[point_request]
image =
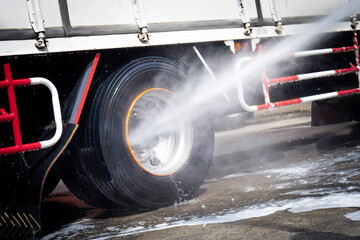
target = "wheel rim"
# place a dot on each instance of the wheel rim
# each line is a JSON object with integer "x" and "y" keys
{"x": 160, "y": 151}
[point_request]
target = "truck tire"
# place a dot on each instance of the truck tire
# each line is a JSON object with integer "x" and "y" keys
{"x": 232, "y": 121}
{"x": 111, "y": 168}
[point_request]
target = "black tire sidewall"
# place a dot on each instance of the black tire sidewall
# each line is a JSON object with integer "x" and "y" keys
{"x": 128, "y": 177}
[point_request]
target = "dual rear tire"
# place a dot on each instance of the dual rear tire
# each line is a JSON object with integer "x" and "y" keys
{"x": 132, "y": 148}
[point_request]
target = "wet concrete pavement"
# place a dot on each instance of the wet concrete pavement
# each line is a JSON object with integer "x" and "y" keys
{"x": 277, "y": 178}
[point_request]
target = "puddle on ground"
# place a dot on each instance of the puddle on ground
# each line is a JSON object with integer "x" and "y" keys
{"x": 337, "y": 173}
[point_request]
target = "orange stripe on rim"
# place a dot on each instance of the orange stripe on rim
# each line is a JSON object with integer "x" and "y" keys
{"x": 127, "y": 127}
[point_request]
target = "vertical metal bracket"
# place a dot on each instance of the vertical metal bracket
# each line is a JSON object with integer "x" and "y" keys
{"x": 353, "y": 19}
{"x": 37, "y": 22}
{"x": 140, "y": 20}
{"x": 208, "y": 69}
{"x": 275, "y": 13}
{"x": 354, "y": 22}
{"x": 242, "y": 6}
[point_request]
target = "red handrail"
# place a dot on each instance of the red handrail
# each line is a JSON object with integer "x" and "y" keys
{"x": 266, "y": 82}
{"x": 13, "y": 116}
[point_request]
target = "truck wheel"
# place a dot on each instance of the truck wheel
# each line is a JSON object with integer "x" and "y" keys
{"x": 116, "y": 163}
{"x": 233, "y": 121}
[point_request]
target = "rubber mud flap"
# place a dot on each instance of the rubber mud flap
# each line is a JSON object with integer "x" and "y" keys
{"x": 330, "y": 112}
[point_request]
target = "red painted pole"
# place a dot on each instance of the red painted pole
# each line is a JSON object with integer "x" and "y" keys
{"x": 265, "y": 79}
{"x": 13, "y": 107}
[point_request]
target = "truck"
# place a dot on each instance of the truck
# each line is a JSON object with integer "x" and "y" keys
{"x": 118, "y": 98}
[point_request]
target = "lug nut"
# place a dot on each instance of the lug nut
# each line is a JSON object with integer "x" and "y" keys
{"x": 154, "y": 162}
{"x": 141, "y": 154}
{"x": 134, "y": 114}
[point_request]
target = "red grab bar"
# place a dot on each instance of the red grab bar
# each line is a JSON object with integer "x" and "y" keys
{"x": 269, "y": 82}
{"x": 13, "y": 116}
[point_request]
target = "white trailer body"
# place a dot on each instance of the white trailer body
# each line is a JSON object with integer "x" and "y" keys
{"x": 75, "y": 25}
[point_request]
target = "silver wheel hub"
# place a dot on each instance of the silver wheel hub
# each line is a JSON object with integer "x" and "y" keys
{"x": 158, "y": 149}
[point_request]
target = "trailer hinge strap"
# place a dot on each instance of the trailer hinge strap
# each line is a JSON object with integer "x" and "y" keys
{"x": 242, "y": 6}
{"x": 140, "y": 20}
{"x": 37, "y": 22}
{"x": 275, "y": 13}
